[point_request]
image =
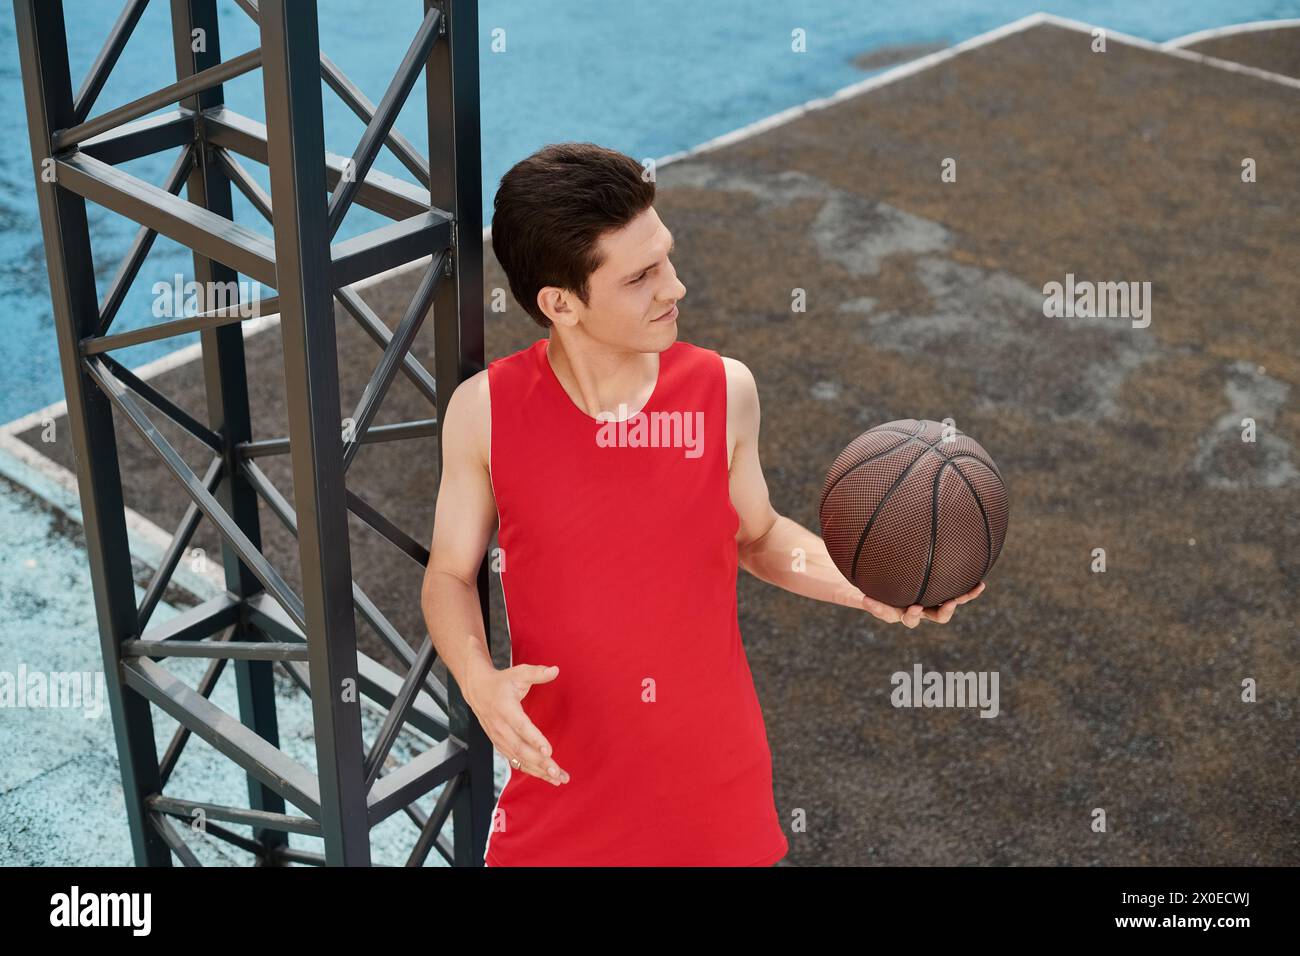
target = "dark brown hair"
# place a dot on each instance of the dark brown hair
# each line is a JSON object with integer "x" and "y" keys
{"x": 551, "y": 209}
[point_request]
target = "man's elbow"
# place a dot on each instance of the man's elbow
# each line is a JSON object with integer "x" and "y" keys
{"x": 439, "y": 577}
{"x": 757, "y": 541}
{"x": 433, "y": 580}
{"x": 426, "y": 588}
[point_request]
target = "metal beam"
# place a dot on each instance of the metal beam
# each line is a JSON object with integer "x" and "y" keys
{"x": 415, "y": 778}
{"x": 215, "y": 811}
{"x": 164, "y": 404}
{"x": 265, "y": 571}
{"x": 214, "y": 236}
{"x": 206, "y": 321}
{"x": 180, "y": 539}
{"x": 295, "y": 145}
{"x": 174, "y": 93}
{"x": 356, "y": 101}
{"x": 140, "y": 247}
{"x": 226, "y": 394}
{"x": 244, "y": 180}
{"x": 204, "y": 688}
{"x": 398, "y": 346}
{"x": 225, "y": 733}
{"x": 260, "y": 620}
{"x": 377, "y": 682}
{"x": 385, "y": 194}
{"x": 396, "y": 536}
{"x": 230, "y": 650}
{"x": 398, "y": 712}
{"x": 452, "y": 94}
{"x": 47, "y": 88}
{"x": 431, "y": 828}
{"x": 394, "y": 431}
{"x": 174, "y": 840}
{"x": 367, "y": 609}
{"x": 107, "y": 58}
{"x": 153, "y": 134}
{"x": 196, "y": 623}
{"x": 363, "y": 157}
{"x": 380, "y": 334}
{"x": 392, "y": 244}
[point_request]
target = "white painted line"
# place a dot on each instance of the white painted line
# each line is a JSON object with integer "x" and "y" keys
{"x": 61, "y": 478}
{"x": 1215, "y": 32}
{"x": 934, "y": 59}
{"x": 1171, "y": 47}
{"x": 167, "y": 362}
{"x": 50, "y": 481}
{"x": 57, "y": 485}
{"x": 857, "y": 89}
{"x": 1189, "y": 55}
{"x": 47, "y": 479}
{"x": 193, "y": 352}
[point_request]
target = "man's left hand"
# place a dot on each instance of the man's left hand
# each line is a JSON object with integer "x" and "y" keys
{"x": 912, "y": 616}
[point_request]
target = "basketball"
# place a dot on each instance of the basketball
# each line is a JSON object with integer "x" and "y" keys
{"x": 914, "y": 512}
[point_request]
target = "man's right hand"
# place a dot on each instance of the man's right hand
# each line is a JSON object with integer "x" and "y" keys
{"x": 494, "y": 696}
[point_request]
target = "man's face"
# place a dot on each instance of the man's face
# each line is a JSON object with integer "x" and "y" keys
{"x": 635, "y": 284}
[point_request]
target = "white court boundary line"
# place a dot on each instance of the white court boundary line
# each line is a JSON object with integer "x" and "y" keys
{"x": 44, "y": 477}
{"x": 51, "y": 472}
{"x": 191, "y": 352}
{"x": 903, "y": 70}
{"x": 890, "y": 75}
{"x": 923, "y": 63}
{"x": 1213, "y": 33}
{"x": 1181, "y": 54}
{"x": 51, "y": 482}
{"x": 23, "y": 458}
{"x": 48, "y": 480}
{"x": 19, "y": 458}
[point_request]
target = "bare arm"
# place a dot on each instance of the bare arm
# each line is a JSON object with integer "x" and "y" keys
{"x": 781, "y": 551}
{"x": 464, "y": 517}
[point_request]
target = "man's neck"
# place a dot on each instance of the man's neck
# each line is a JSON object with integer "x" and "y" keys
{"x": 599, "y": 378}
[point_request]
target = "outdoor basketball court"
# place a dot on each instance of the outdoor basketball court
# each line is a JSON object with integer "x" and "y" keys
{"x": 925, "y": 300}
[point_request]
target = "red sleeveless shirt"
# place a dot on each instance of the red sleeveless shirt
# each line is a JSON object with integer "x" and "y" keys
{"x": 618, "y": 565}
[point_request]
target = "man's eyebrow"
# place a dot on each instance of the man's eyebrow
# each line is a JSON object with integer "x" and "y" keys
{"x": 672, "y": 244}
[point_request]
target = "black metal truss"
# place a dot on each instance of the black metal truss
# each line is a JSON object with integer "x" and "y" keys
{"x": 260, "y": 620}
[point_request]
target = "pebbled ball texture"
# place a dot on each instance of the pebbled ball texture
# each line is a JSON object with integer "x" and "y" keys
{"x": 912, "y": 518}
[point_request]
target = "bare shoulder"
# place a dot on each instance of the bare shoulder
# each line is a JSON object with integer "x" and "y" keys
{"x": 467, "y": 428}
{"x": 742, "y": 390}
{"x": 742, "y": 405}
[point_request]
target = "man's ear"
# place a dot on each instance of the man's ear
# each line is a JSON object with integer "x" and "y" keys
{"x": 555, "y": 305}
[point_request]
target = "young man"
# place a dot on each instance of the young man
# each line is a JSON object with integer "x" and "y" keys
{"x": 622, "y": 464}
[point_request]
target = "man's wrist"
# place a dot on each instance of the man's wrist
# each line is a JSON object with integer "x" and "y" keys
{"x": 476, "y": 665}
